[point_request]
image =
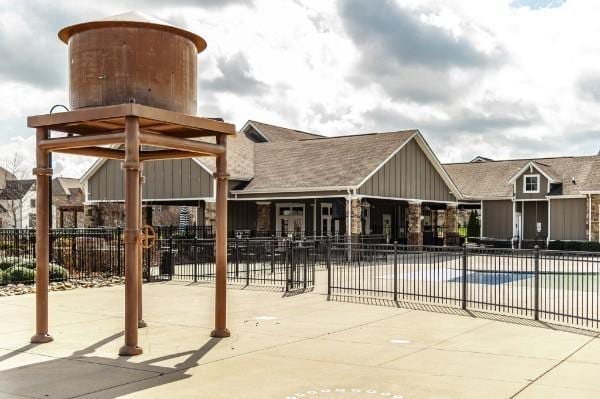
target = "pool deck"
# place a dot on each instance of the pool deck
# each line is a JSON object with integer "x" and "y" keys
{"x": 288, "y": 347}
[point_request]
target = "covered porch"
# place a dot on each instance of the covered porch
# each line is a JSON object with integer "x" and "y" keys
{"x": 382, "y": 219}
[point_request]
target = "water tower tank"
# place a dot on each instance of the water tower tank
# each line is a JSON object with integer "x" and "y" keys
{"x": 132, "y": 57}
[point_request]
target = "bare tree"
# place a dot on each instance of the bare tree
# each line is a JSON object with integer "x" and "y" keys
{"x": 12, "y": 196}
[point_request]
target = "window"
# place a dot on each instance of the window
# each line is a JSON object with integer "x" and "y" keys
{"x": 32, "y": 203}
{"x": 531, "y": 184}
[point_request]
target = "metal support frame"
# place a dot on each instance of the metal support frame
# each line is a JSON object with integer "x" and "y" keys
{"x": 221, "y": 176}
{"x": 90, "y": 129}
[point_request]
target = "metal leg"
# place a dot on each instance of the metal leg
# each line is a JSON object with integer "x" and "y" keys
{"x": 42, "y": 172}
{"x": 131, "y": 166}
{"x": 221, "y": 175}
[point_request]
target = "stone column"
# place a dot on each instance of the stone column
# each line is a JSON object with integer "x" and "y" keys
{"x": 595, "y": 208}
{"x": 90, "y": 216}
{"x": 415, "y": 231}
{"x": 210, "y": 215}
{"x": 263, "y": 217}
{"x": 451, "y": 225}
{"x": 355, "y": 217}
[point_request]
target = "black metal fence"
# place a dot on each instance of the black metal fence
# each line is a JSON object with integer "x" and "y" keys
{"x": 561, "y": 287}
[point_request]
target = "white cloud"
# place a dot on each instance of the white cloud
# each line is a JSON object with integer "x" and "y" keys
{"x": 532, "y": 89}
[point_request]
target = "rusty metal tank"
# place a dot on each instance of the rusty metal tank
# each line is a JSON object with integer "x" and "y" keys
{"x": 132, "y": 57}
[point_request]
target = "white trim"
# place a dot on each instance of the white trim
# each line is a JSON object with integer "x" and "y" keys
{"x": 590, "y": 192}
{"x": 407, "y": 199}
{"x": 538, "y": 184}
{"x": 589, "y": 205}
{"x": 278, "y": 206}
{"x": 292, "y": 190}
{"x": 249, "y": 123}
{"x": 531, "y": 199}
{"x": 549, "y": 224}
{"x": 531, "y": 164}
{"x": 477, "y": 199}
{"x": 569, "y": 196}
{"x": 285, "y": 198}
{"x": 207, "y": 199}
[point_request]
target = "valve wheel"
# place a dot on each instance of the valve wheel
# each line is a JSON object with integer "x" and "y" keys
{"x": 147, "y": 237}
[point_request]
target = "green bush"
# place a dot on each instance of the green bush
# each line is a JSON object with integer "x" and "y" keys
{"x": 7, "y": 262}
{"x": 57, "y": 272}
{"x": 3, "y": 277}
{"x": 587, "y": 246}
{"x": 28, "y": 263}
{"x": 19, "y": 274}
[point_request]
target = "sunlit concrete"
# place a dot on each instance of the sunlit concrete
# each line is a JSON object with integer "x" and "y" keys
{"x": 282, "y": 346}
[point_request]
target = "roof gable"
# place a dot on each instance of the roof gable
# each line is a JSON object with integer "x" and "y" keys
{"x": 540, "y": 167}
{"x": 277, "y": 134}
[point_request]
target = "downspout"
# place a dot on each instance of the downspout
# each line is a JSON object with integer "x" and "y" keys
{"x": 549, "y": 225}
{"x": 349, "y": 224}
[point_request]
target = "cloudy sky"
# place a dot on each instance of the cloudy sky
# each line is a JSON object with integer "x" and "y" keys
{"x": 498, "y": 78}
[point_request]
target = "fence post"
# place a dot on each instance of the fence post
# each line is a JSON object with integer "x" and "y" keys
{"x": 536, "y": 300}
{"x": 464, "y": 276}
{"x": 395, "y": 271}
{"x": 273, "y": 254}
{"x": 248, "y": 263}
{"x": 195, "y": 251}
{"x": 171, "y": 260}
{"x": 236, "y": 254}
{"x": 119, "y": 264}
{"x": 328, "y": 264}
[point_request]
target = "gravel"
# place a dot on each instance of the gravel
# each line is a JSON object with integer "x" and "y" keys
{"x": 22, "y": 289}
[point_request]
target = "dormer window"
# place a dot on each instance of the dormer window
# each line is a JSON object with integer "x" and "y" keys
{"x": 531, "y": 183}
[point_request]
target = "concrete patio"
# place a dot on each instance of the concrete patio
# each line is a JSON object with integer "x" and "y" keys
{"x": 300, "y": 346}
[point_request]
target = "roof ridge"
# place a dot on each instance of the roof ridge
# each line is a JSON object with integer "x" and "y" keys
{"x": 411, "y": 131}
{"x": 525, "y": 159}
{"x": 286, "y": 128}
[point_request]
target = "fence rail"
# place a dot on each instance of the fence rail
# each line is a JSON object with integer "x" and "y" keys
{"x": 561, "y": 287}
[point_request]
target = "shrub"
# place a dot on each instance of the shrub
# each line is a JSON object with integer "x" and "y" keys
{"x": 28, "y": 263}
{"x": 57, "y": 272}
{"x": 3, "y": 277}
{"x": 556, "y": 245}
{"x": 7, "y": 262}
{"x": 588, "y": 246}
{"x": 473, "y": 227}
{"x": 19, "y": 274}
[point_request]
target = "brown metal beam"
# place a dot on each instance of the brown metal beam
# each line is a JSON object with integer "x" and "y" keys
{"x": 199, "y": 147}
{"x": 221, "y": 176}
{"x": 166, "y": 154}
{"x": 131, "y": 168}
{"x": 62, "y": 143}
{"x": 42, "y": 232}
{"x": 109, "y": 153}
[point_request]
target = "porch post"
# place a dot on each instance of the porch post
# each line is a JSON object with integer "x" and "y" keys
{"x": 594, "y": 217}
{"x": 141, "y": 322}
{"x": 451, "y": 230}
{"x": 221, "y": 175}
{"x": 415, "y": 231}
{"x": 42, "y": 232}
{"x": 131, "y": 166}
{"x": 263, "y": 217}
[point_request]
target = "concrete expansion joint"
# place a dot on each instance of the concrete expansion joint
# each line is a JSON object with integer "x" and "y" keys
{"x": 43, "y": 171}
{"x": 131, "y": 165}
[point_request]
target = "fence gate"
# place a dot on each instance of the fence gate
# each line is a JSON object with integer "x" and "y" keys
{"x": 300, "y": 265}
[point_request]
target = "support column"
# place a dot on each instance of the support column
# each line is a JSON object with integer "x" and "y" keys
{"x": 415, "y": 230}
{"x": 210, "y": 215}
{"x": 141, "y": 323}
{"x": 263, "y": 217}
{"x": 221, "y": 176}
{"x": 356, "y": 222}
{"x": 595, "y": 217}
{"x": 42, "y": 232}
{"x": 131, "y": 166}
{"x": 451, "y": 228}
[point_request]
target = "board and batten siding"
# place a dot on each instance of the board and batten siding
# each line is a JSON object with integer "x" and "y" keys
{"x": 165, "y": 180}
{"x": 568, "y": 219}
{"x": 497, "y": 219}
{"x": 408, "y": 174}
{"x": 519, "y": 194}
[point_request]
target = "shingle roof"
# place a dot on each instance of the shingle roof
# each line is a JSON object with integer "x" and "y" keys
{"x": 491, "y": 179}
{"x": 65, "y": 185}
{"x": 240, "y": 157}
{"x": 277, "y": 134}
{"x": 16, "y": 189}
{"x": 340, "y": 161}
